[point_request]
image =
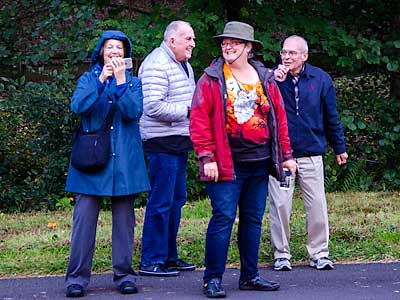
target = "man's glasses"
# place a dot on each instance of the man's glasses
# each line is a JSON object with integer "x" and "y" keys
{"x": 290, "y": 53}
{"x": 232, "y": 43}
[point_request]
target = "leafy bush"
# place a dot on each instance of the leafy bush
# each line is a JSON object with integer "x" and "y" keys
{"x": 35, "y": 133}
{"x": 371, "y": 122}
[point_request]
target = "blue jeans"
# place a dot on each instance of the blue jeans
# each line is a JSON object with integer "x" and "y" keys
{"x": 249, "y": 192}
{"x": 167, "y": 174}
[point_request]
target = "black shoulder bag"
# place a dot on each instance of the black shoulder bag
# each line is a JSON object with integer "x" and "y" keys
{"x": 91, "y": 150}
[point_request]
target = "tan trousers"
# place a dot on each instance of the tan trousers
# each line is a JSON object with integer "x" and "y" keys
{"x": 310, "y": 176}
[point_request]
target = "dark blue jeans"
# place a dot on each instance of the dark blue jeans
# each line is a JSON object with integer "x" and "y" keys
{"x": 249, "y": 193}
{"x": 167, "y": 174}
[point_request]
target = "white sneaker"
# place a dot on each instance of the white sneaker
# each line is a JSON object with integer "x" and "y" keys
{"x": 322, "y": 263}
{"x": 282, "y": 264}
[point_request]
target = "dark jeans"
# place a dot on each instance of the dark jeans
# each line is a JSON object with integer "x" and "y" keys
{"x": 249, "y": 192}
{"x": 163, "y": 210}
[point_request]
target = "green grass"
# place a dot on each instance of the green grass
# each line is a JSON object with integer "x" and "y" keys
{"x": 363, "y": 227}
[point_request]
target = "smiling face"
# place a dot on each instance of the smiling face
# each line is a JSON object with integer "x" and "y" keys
{"x": 235, "y": 50}
{"x": 294, "y": 53}
{"x": 183, "y": 43}
{"x": 112, "y": 48}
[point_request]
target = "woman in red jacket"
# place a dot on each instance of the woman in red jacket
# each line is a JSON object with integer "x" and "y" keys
{"x": 239, "y": 132}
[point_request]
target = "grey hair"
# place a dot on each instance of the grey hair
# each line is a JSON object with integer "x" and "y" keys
{"x": 173, "y": 28}
{"x": 303, "y": 42}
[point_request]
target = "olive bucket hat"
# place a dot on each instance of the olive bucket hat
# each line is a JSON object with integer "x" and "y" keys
{"x": 239, "y": 30}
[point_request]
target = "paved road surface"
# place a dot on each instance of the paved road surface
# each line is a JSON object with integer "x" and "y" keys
{"x": 376, "y": 281}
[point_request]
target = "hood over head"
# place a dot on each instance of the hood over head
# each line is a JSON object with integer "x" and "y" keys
{"x": 110, "y": 35}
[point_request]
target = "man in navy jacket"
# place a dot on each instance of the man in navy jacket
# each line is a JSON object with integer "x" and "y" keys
{"x": 310, "y": 104}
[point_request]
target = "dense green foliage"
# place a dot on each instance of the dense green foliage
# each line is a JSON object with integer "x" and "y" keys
{"x": 46, "y": 44}
{"x": 35, "y": 133}
{"x": 370, "y": 118}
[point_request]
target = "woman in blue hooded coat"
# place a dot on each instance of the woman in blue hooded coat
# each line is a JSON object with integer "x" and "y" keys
{"x": 108, "y": 84}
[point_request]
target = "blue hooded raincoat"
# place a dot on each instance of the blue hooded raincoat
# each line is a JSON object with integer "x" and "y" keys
{"x": 125, "y": 172}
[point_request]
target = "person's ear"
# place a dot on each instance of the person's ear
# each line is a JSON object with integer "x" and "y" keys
{"x": 172, "y": 42}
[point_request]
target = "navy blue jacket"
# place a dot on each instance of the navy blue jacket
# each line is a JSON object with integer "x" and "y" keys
{"x": 315, "y": 120}
{"x": 125, "y": 172}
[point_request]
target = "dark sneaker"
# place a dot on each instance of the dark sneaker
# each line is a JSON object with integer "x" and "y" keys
{"x": 74, "y": 291}
{"x": 258, "y": 284}
{"x": 180, "y": 265}
{"x": 322, "y": 263}
{"x": 128, "y": 287}
{"x": 158, "y": 270}
{"x": 282, "y": 264}
{"x": 214, "y": 289}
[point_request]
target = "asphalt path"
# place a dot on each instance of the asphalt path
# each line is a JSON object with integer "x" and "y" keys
{"x": 375, "y": 281}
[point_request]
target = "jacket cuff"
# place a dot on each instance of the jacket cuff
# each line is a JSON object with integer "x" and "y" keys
{"x": 121, "y": 89}
{"x": 207, "y": 158}
{"x": 339, "y": 149}
{"x": 286, "y": 156}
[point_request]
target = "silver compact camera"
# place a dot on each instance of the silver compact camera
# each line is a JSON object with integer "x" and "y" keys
{"x": 128, "y": 63}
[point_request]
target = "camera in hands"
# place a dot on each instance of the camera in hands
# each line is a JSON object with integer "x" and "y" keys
{"x": 128, "y": 63}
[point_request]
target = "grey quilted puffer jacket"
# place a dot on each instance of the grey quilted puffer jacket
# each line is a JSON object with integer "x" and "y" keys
{"x": 167, "y": 92}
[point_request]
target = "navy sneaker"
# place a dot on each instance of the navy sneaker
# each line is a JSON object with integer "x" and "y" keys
{"x": 74, "y": 291}
{"x": 213, "y": 288}
{"x": 128, "y": 287}
{"x": 158, "y": 270}
{"x": 180, "y": 265}
{"x": 258, "y": 284}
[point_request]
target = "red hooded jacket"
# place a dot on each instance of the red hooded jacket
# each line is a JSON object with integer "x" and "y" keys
{"x": 208, "y": 121}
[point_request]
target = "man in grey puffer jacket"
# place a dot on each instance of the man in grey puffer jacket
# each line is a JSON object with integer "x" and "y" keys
{"x": 168, "y": 86}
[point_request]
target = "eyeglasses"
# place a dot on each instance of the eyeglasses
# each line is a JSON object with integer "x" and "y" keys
{"x": 232, "y": 43}
{"x": 290, "y": 53}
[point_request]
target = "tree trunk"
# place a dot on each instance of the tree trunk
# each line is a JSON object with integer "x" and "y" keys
{"x": 395, "y": 85}
{"x": 233, "y": 9}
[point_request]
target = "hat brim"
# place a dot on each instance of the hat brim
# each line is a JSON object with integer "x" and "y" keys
{"x": 257, "y": 45}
